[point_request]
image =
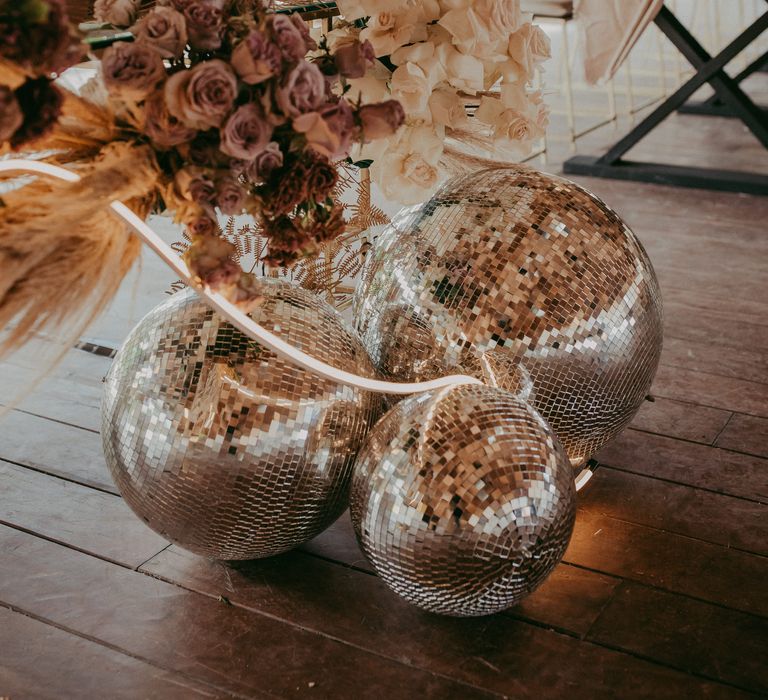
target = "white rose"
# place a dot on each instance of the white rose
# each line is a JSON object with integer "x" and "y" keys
{"x": 528, "y": 48}
{"x": 372, "y": 87}
{"x": 448, "y": 108}
{"x": 514, "y": 130}
{"x": 463, "y": 72}
{"x": 388, "y": 31}
{"x": 407, "y": 172}
{"x": 425, "y": 57}
{"x": 411, "y": 88}
{"x": 482, "y": 28}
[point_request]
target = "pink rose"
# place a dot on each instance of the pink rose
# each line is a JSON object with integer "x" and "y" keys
{"x": 161, "y": 126}
{"x": 120, "y": 13}
{"x": 11, "y": 117}
{"x": 264, "y": 164}
{"x": 202, "y": 96}
{"x": 291, "y": 36}
{"x": 354, "y": 58}
{"x": 132, "y": 71}
{"x": 230, "y": 196}
{"x": 246, "y": 133}
{"x": 329, "y": 130}
{"x": 381, "y": 119}
{"x": 256, "y": 59}
{"x": 165, "y": 29}
{"x": 302, "y": 90}
{"x": 205, "y": 23}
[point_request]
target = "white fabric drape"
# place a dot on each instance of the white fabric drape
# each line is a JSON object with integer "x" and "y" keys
{"x": 610, "y": 29}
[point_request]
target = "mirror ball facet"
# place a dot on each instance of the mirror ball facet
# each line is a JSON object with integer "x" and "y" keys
{"x": 222, "y": 447}
{"x": 510, "y": 267}
{"x": 463, "y": 500}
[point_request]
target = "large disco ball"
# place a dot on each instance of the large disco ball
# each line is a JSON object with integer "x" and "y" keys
{"x": 220, "y": 446}
{"x": 463, "y": 500}
{"x": 510, "y": 267}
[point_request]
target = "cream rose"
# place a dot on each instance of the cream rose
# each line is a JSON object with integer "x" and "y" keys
{"x": 465, "y": 73}
{"x": 528, "y": 48}
{"x": 388, "y": 31}
{"x": 411, "y": 88}
{"x": 447, "y": 108}
{"x": 407, "y": 172}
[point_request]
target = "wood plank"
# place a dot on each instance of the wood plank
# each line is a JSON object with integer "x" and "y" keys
{"x": 55, "y": 448}
{"x": 745, "y": 434}
{"x": 75, "y": 515}
{"x": 681, "y": 420}
{"x": 711, "y": 517}
{"x": 712, "y": 390}
{"x": 739, "y": 363}
{"x": 40, "y": 662}
{"x": 700, "y": 638}
{"x": 673, "y": 562}
{"x": 701, "y": 466}
{"x": 209, "y": 641}
{"x": 495, "y": 652}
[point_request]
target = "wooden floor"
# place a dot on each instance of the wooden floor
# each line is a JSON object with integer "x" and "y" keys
{"x": 663, "y": 591}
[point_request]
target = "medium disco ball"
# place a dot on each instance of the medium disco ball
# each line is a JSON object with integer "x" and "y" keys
{"x": 512, "y": 267}
{"x": 220, "y": 446}
{"x": 463, "y": 500}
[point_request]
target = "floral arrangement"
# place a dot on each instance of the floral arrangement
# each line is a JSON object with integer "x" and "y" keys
{"x": 441, "y": 59}
{"x": 217, "y": 106}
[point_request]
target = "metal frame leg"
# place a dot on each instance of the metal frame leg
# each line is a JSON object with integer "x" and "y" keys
{"x": 708, "y": 70}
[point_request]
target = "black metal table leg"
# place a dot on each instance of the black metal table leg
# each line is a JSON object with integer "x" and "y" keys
{"x": 714, "y": 106}
{"x": 708, "y": 70}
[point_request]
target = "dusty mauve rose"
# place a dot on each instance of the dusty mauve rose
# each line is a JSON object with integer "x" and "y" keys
{"x": 354, "y": 58}
{"x": 256, "y": 59}
{"x": 210, "y": 259}
{"x": 302, "y": 90}
{"x": 328, "y": 131}
{"x": 121, "y": 13}
{"x": 35, "y": 34}
{"x": 202, "y": 96}
{"x": 202, "y": 225}
{"x": 132, "y": 71}
{"x": 11, "y": 117}
{"x": 205, "y": 23}
{"x": 246, "y": 133}
{"x": 230, "y": 196}
{"x": 161, "y": 126}
{"x": 165, "y": 29}
{"x": 264, "y": 164}
{"x": 291, "y": 37}
{"x": 195, "y": 185}
{"x": 381, "y": 119}
{"x": 40, "y": 101}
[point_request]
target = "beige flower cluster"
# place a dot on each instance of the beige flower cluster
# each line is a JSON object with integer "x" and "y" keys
{"x": 437, "y": 56}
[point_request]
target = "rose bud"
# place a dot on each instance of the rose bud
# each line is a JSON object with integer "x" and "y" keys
{"x": 132, "y": 71}
{"x": 381, "y": 119}
{"x": 354, "y": 58}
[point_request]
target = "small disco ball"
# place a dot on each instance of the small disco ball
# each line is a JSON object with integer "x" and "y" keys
{"x": 220, "y": 446}
{"x": 463, "y": 500}
{"x": 510, "y": 267}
